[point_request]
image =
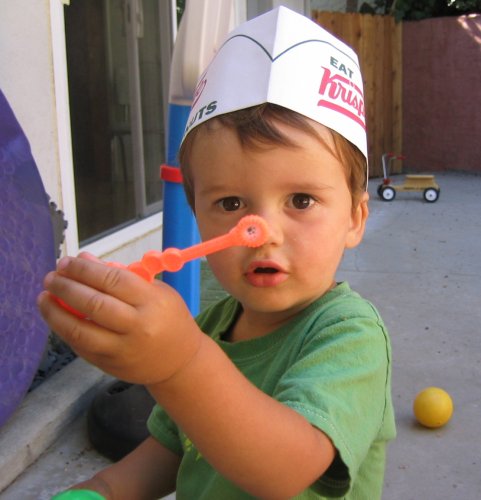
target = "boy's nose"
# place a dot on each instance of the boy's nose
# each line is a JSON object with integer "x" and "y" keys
{"x": 276, "y": 232}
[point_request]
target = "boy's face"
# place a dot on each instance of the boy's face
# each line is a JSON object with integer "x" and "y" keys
{"x": 303, "y": 195}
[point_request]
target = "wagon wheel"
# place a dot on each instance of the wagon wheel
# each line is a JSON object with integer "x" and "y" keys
{"x": 431, "y": 195}
{"x": 388, "y": 193}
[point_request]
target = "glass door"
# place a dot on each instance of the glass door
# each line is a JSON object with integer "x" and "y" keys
{"x": 118, "y": 56}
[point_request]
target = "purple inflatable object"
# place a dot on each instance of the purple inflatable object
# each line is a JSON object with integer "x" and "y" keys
{"x": 27, "y": 253}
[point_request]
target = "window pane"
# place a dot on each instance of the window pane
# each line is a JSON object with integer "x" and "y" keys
{"x": 114, "y": 63}
{"x": 151, "y": 98}
{"x": 99, "y": 107}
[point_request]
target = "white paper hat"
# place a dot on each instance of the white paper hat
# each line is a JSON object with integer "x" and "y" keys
{"x": 284, "y": 58}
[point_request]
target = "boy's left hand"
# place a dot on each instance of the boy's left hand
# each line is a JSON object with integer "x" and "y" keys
{"x": 137, "y": 331}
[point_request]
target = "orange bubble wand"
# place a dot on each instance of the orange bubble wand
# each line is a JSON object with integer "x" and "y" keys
{"x": 251, "y": 231}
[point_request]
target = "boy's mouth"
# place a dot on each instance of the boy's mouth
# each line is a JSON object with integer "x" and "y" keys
{"x": 265, "y": 270}
{"x": 264, "y": 267}
{"x": 265, "y": 274}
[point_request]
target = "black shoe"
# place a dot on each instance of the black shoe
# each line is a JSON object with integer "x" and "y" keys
{"x": 117, "y": 417}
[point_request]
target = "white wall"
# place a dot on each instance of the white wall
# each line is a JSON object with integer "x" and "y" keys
{"x": 26, "y": 79}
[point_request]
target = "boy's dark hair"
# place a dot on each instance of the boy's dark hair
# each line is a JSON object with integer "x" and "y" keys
{"x": 256, "y": 127}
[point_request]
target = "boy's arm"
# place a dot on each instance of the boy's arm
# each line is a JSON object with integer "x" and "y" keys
{"x": 145, "y": 334}
{"x": 263, "y": 446}
{"x": 147, "y": 472}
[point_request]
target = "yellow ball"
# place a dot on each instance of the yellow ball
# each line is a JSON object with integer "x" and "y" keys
{"x": 433, "y": 407}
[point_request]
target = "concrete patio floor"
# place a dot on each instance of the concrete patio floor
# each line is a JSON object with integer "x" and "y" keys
{"x": 420, "y": 264}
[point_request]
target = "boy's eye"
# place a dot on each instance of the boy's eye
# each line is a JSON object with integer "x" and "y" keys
{"x": 230, "y": 204}
{"x": 301, "y": 201}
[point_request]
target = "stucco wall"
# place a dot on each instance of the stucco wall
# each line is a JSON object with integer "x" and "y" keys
{"x": 442, "y": 94}
{"x": 26, "y": 79}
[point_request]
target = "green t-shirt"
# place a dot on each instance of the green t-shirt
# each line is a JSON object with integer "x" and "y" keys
{"x": 332, "y": 364}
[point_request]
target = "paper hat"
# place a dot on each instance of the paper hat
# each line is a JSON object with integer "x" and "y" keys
{"x": 284, "y": 58}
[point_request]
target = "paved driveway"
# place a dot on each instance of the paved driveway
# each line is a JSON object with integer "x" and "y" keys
{"x": 420, "y": 264}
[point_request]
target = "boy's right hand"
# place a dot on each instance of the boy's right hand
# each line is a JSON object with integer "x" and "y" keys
{"x": 136, "y": 331}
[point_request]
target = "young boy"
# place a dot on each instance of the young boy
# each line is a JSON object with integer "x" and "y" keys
{"x": 282, "y": 389}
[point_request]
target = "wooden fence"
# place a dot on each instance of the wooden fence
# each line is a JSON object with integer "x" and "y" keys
{"x": 377, "y": 41}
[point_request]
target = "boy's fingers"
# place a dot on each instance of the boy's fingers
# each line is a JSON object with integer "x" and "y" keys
{"x": 119, "y": 283}
{"x": 102, "y": 308}
{"x": 89, "y": 256}
{"x": 85, "y": 337}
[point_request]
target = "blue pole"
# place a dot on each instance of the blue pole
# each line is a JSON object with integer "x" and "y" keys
{"x": 179, "y": 226}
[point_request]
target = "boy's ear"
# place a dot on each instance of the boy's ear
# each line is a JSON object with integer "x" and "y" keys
{"x": 358, "y": 222}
